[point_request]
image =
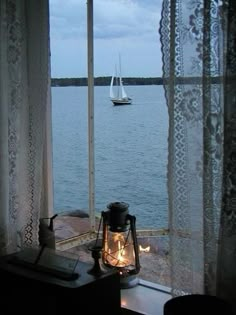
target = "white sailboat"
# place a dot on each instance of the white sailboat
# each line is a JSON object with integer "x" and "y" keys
{"x": 118, "y": 94}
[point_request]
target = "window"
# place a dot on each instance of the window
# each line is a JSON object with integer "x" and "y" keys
{"x": 130, "y": 142}
{"x": 200, "y": 93}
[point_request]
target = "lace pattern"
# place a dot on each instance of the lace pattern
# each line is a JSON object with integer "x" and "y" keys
{"x": 192, "y": 38}
{"x": 27, "y": 74}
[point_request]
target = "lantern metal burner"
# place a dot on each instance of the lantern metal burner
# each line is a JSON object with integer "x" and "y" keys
{"x": 119, "y": 243}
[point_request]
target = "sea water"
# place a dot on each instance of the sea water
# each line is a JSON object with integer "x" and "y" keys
{"x": 130, "y": 151}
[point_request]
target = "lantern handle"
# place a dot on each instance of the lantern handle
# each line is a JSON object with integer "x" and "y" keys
{"x": 134, "y": 235}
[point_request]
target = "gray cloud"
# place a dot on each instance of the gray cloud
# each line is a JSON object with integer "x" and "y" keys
{"x": 112, "y": 18}
{"x": 127, "y": 26}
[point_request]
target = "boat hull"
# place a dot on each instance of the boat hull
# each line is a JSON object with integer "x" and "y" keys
{"x": 121, "y": 102}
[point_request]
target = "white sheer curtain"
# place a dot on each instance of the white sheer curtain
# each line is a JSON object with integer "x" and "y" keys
{"x": 199, "y": 68}
{"x": 25, "y": 180}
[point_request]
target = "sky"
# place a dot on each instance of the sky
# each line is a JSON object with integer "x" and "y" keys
{"x": 129, "y": 28}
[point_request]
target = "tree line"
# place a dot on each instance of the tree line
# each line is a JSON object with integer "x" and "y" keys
{"x": 103, "y": 81}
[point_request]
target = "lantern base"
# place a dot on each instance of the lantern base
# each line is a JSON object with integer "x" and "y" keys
{"x": 128, "y": 282}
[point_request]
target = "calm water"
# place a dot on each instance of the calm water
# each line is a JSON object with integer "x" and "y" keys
{"x": 130, "y": 152}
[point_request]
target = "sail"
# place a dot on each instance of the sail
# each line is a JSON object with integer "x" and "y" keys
{"x": 123, "y": 93}
{"x": 111, "y": 88}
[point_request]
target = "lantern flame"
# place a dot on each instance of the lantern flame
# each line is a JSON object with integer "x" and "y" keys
{"x": 118, "y": 254}
{"x": 145, "y": 250}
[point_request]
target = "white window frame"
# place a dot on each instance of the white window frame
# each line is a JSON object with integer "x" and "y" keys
{"x": 90, "y": 60}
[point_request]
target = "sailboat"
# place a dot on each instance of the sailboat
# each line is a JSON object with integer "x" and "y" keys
{"x": 118, "y": 94}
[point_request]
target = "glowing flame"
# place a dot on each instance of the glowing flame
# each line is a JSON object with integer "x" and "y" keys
{"x": 121, "y": 253}
{"x": 118, "y": 257}
{"x": 145, "y": 250}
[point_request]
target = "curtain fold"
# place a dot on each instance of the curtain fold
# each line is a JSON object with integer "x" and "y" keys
{"x": 226, "y": 271}
{"x": 25, "y": 106}
{"x": 198, "y": 52}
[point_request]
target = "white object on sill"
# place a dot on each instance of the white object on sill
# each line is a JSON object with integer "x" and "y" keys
{"x": 146, "y": 298}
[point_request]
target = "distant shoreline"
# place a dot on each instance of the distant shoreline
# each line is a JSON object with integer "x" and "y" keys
{"x": 104, "y": 81}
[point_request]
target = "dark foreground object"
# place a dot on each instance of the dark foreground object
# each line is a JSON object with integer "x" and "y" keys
{"x": 56, "y": 289}
{"x": 197, "y": 304}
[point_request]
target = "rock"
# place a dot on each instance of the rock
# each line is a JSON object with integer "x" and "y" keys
{"x": 75, "y": 213}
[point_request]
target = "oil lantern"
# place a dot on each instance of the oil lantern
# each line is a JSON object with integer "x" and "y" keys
{"x": 119, "y": 243}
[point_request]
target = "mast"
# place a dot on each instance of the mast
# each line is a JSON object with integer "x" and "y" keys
{"x": 117, "y": 83}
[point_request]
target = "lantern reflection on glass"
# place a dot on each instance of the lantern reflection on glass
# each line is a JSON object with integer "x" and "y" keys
{"x": 119, "y": 243}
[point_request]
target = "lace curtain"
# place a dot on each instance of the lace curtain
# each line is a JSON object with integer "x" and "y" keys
{"x": 24, "y": 121}
{"x": 199, "y": 67}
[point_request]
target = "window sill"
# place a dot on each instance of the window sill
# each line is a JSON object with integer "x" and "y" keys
{"x": 146, "y": 298}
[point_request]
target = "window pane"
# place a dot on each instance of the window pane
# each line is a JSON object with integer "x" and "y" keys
{"x": 70, "y": 148}
{"x": 130, "y": 152}
{"x": 130, "y": 140}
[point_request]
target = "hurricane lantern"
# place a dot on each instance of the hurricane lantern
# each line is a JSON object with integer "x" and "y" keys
{"x": 119, "y": 243}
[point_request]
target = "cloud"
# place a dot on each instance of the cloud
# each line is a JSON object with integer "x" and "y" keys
{"x": 67, "y": 19}
{"x": 124, "y": 18}
{"x": 130, "y": 26}
{"x": 112, "y": 18}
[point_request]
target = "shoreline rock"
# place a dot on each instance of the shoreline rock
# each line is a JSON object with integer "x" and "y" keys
{"x": 74, "y": 213}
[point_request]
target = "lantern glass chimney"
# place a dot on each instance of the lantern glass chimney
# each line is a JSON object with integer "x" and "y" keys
{"x": 119, "y": 243}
